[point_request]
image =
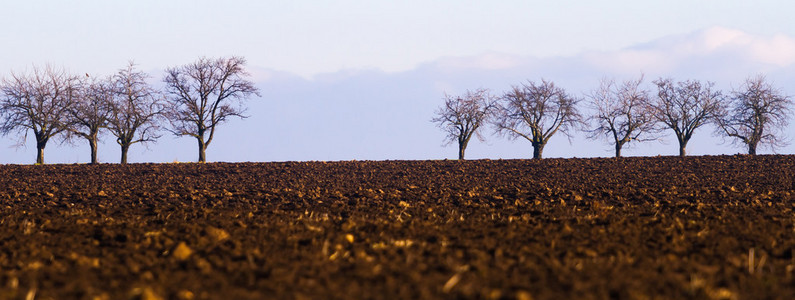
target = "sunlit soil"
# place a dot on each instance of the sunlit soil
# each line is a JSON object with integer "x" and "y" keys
{"x": 633, "y": 228}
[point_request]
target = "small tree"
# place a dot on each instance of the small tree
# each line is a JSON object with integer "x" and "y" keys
{"x": 204, "y": 94}
{"x": 90, "y": 112}
{"x": 622, "y": 113}
{"x": 135, "y": 110}
{"x": 685, "y": 106}
{"x": 536, "y": 112}
{"x": 757, "y": 114}
{"x": 38, "y": 102}
{"x": 462, "y": 116}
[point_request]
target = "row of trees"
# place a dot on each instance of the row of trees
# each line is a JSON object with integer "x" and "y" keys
{"x": 752, "y": 115}
{"x": 52, "y": 103}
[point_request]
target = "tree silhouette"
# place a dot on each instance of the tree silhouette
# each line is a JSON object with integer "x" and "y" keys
{"x": 684, "y": 107}
{"x": 622, "y": 113}
{"x": 536, "y": 112}
{"x": 462, "y": 117}
{"x": 38, "y": 102}
{"x": 90, "y": 112}
{"x": 135, "y": 110}
{"x": 757, "y": 114}
{"x": 204, "y": 94}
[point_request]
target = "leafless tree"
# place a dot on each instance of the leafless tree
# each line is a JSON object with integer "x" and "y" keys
{"x": 685, "y": 106}
{"x": 462, "y": 117}
{"x": 757, "y": 114}
{"x": 135, "y": 110}
{"x": 38, "y": 102}
{"x": 204, "y": 94}
{"x": 90, "y": 112}
{"x": 536, "y": 112}
{"x": 622, "y": 113}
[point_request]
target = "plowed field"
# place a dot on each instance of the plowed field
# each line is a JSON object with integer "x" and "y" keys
{"x": 633, "y": 228}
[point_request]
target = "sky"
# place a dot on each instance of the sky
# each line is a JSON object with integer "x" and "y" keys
{"x": 360, "y": 80}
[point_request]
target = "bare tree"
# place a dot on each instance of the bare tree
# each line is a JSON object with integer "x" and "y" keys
{"x": 90, "y": 112}
{"x": 757, "y": 114}
{"x": 205, "y": 94}
{"x": 462, "y": 117}
{"x": 38, "y": 102}
{"x": 685, "y": 106}
{"x": 135, "y": 110}
{"x": 536, "y": 112}
{"x": 622, "y": 113}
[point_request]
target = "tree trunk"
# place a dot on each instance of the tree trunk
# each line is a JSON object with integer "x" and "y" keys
{"x": 93, "y": 144}
{"x": 752, "y": 148}
{"x": 41, "y": 143}
{"x": 618, "y": 149}
{"x": 40, "y": 155}
{"x": 538, "y": 150}
{"x": 124, "y": 149}
{"x": 682, "y": 138}
{"x": 202, "y": 148}
{"x": 461, "y": 149}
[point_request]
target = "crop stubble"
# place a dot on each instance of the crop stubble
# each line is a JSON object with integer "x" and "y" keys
{"x": 717, "y": 227}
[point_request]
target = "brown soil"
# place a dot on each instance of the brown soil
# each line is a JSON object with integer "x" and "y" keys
{"x": 631, "y": 228}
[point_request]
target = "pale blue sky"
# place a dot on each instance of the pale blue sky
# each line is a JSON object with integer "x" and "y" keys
{"x": 310, "y": 37}
{"x": 361, "y": 79}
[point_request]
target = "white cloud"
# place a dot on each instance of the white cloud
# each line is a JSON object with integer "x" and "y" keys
{"x": 631, "y": 61}
{"x": 715, "y": 38}
{"x": 778, "y": 50}
{"x": 717, "y": 52}
{"x": 715, "y": 48}
{"x": 487, "y": 61}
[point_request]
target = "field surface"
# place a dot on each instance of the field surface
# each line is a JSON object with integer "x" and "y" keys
{"x": 717, "y": 227}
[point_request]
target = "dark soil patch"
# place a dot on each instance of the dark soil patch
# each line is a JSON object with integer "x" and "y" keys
{"x": 633, "y": 228}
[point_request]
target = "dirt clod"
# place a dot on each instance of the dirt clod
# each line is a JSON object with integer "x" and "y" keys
{"x": 182, "y": 251}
